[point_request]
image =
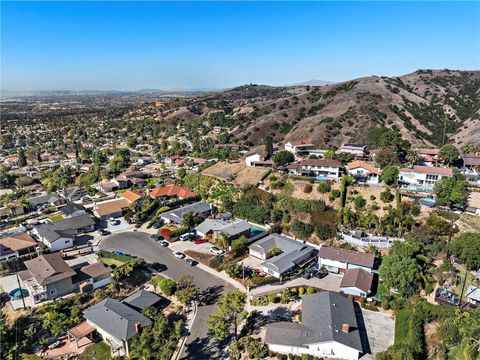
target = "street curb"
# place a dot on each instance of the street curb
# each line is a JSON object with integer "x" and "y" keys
{"x": 177, "y": 353}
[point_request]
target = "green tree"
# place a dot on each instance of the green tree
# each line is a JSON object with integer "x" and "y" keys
{"x": 188, "y": 220}
{"x": 373, "y": 136}
{"x": 390, "y": 175}
{"x": 324, "y": 187}
{"x": 22, "y": 159}
{"x": 359, "y": 202}
{"x": 386, "y": 157}
{"x": 239, "y": 246}
{"x": 325, "y": 231}
{"x": 466, "y": 247}
{"x": 282, "y": 158}
{"x": 412, "y": 157}
{"x": 269, "y": 146}
{"x": 452, "y": 190}
{"x": 186, "y": 290}
{"x": 449, "y": 154}
{"x": 167, "y": 286}
{"x": 230, "y": 311}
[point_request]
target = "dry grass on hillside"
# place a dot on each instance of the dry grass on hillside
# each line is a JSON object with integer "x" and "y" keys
{"x": 239, "y": 174}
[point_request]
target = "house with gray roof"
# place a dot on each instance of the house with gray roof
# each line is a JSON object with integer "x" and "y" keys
{"x": 329, "y": 328}
{"x": 72, "y": 210}
{"x": 117, "y": 322}
{"x": 232, "y": 229}
{"x": 281, "y": 254}
{"x": 45, "y": 200}
{"x": 61, "y": 234}
{"x": 357, "y": 282}
{"x": 201, "y": 209}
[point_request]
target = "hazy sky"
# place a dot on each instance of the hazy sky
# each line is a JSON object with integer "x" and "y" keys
{"x": 124, "y": 45}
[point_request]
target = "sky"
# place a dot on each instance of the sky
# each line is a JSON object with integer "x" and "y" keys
{"x": 210, "y": 45}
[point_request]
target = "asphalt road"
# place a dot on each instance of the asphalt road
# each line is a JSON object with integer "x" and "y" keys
{"x": 199, "y": 345}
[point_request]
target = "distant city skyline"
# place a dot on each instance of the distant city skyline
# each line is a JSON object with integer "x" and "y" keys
{"x": 195, "y": 45}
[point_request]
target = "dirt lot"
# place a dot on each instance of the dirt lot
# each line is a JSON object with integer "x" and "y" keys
{"x": 239, "y": 174}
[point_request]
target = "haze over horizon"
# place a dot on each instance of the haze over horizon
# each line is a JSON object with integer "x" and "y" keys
{"x": 193, "y": 46}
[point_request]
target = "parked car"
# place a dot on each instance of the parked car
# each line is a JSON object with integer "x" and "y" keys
{"x": 116, "y": 252}
{"x": 309, "y": 273}
{"x": 191, "y": 262}
{"x": 158, "y": 267}
{"x": 178, "y": 254}
{"x": 113, "y": 221}
{"x": 104, "y": 232}
{"x": 156, "y": 237}
{"x": 217, "y": 251}
{"x": 163, "y": 243}
{"x": 188, "y": 235}
{"x": 200, "y": 241}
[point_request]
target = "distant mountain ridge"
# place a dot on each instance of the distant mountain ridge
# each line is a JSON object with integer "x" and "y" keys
{"x": 313, "y": 83}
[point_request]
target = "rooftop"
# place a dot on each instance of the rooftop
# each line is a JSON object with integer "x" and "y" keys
{"x": 357, "y": 278}
{"x": 172, "y": 190}
{"x": 46, "y": 269}
{"x": 348, "y": 256}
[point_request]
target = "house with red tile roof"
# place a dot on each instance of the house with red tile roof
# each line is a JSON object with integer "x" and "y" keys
{"x": 172, "y": 190}
{"x": 364, "y": 172}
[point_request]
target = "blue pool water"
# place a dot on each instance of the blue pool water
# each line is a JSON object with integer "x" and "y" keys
{"x": 256, "y": 230}
{"x": 427, "y": 202}
{"x": 17, "y": 293}
{"x": 321, "y": 178}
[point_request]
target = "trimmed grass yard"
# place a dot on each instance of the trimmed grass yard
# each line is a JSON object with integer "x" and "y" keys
{"x": 110, "y": 262}
{"x": 56, "y": 217}
{"x": 470, "y": 278}
{"x": 98, "y": 351}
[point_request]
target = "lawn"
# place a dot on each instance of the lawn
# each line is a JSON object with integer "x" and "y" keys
{"x": 382, "y": 291}
{"x": 98, "y": 351}
{"x": 56, "y": 217}
{"x": 109, "y": 262}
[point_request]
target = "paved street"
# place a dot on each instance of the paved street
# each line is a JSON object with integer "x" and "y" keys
{"x": 198, "y": 345}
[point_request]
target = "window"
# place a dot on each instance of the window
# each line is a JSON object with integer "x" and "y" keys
{"x": 53, "y": 291}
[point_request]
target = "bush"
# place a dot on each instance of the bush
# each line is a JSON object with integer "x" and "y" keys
{"x": 385, "y": 305}
{"x": 167, "y": 286}
{"x": 272, "y": 298}
{"x": 307, "y": 189}
{"x": 301, "y": 229}
{"x": 324, "y": 187}
{"x": 301, "y": 290}
{"x": 359, "y": 202}
{"x": 334, "y": 195}
{"x": 310, "y": 290}
{"x": 324, "y": 231}
{"x": 216, "y": 262}
{"x": 260, "y": 301}
{"x": 386, "y": 196}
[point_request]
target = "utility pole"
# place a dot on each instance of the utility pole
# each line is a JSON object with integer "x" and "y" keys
{"x": 21, "y": 291}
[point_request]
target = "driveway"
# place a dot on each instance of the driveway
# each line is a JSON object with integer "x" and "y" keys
{"x": 199, "y": 344}
{"x": 379, "y": 328}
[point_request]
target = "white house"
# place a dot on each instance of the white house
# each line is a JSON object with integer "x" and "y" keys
{"x": 357, "y": 282}
{"x": 364, "y": 172}
{"x": 299, "y": 147}
{"x": 473, "y": 295}
{"x": 473, "y": 203}
{"x": 329, "y": 329}
{"x": 422, "y": 176}
{"x": 429, "y": 157}
{"x": 339, "y": 260}
{"x": 355, "y": 149}
{"x": 257, "y": 157}
{"x": 60, "y": 235}
{"x": 330, "y": 169}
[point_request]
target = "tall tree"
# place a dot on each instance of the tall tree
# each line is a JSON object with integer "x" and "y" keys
{"x": 449, "y": 154}
{"x": 269, "y": 146}
{"x": 412, "y": 157}
{"x": 230, "y": 311}
{"x": 22, "y": 159}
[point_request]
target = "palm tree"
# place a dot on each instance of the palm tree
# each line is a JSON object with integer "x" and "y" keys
{"x": 412, "y": 157}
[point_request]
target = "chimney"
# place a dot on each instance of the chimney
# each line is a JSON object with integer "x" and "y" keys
{"x": 138, "y": 328}
{"x": 345, "y": 328}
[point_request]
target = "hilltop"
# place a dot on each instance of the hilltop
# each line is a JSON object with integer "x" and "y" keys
{"x": 429, "y": 107}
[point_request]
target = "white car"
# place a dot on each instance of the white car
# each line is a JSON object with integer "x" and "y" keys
{"x": 113, "y": 221}
{"x": 217, "y": 251}
{"x": 179, "y": 255}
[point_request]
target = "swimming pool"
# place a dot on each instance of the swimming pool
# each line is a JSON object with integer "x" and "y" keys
{"x": 321, "y": 178}
{"x": 427, "y": 202}
{"x": 254, "y": 230}
{"x": 17, "y": 293}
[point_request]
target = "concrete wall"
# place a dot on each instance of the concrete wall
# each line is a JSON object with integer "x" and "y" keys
{"x": 330, "y": 349}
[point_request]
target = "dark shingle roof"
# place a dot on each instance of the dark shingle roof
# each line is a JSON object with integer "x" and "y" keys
{"x": 48, "y": 268}
{"x": 71, "y": 208}
{"x": 64, "y": 228}
{"x": 141, "y": 299}
{"x": 348, "y": 256}
{"x": 324, "y": 315}
{"x": 358, "y": 278}
{"x": 116, "y": 318}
